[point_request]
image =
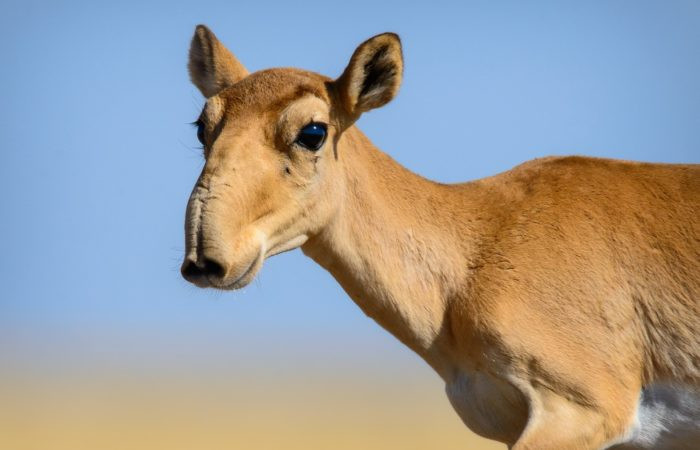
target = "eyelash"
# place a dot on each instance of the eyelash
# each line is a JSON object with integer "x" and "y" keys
{"x": 198, "y": 124}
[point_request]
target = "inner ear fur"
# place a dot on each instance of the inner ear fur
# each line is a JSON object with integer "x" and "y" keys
{"x": 373, "y": 76}
{"x": 211, "y": 65}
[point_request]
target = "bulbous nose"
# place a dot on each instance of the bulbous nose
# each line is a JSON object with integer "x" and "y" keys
{"x": 202, "y": 271}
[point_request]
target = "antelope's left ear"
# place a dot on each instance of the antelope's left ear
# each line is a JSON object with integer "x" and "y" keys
{"x": 212, "y": 66}
{"x": 373, "y": 76}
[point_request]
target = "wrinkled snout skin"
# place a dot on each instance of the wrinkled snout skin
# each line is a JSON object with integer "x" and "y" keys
{"x": 224, "y": 242}
{"x": 221, "y": 251}
{"x": 235, "y": 215}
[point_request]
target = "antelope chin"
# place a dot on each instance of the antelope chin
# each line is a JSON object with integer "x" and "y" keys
{"x": 254, "y": 267}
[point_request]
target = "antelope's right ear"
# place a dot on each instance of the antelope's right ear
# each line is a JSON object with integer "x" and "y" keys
{"x": 373, "y": 76}
{"x": 212, "y": 66}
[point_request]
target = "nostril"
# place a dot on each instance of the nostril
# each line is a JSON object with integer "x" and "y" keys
{"x": 212, "y": 267}
{"x": 190, "y": 270}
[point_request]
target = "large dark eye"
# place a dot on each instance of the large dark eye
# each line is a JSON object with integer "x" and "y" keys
{"x": 312, "y": 136}
{"x": 200, "y": 132}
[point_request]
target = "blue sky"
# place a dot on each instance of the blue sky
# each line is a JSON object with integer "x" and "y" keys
{"x": 98, "y": 158}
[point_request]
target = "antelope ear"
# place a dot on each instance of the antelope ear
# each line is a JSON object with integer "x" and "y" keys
{"x": 212, "y": 66}
{"x": 373, "y": 76}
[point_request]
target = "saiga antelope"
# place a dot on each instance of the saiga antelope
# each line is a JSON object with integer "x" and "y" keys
{"x": 558, "y": 300}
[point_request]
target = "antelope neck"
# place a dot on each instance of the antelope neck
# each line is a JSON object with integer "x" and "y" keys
{"x": 393, "y": 246}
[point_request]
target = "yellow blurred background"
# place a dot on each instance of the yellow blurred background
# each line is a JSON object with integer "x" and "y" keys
{"x": 230, "y": 411}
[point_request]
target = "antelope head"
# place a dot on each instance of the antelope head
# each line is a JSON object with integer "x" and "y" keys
{"x": 272, "y": 177}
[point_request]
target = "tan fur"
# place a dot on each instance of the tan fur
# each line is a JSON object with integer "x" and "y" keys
{"x": 382, "y": 55}
{"x": 212, "y": 66}
{"x": 569, "y": 282}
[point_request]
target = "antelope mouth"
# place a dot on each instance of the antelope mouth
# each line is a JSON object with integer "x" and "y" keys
{"x": 205, "y": 271}
{"x": 245, "y": 278}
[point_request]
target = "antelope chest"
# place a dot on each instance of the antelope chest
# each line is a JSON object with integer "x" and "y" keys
{"x": 667, "y": 416}
{"x": 489, "y": 406}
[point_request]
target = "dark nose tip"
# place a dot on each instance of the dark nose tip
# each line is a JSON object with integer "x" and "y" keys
{"x": 192, "y": 272}
{"x": 212, "y": 267}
